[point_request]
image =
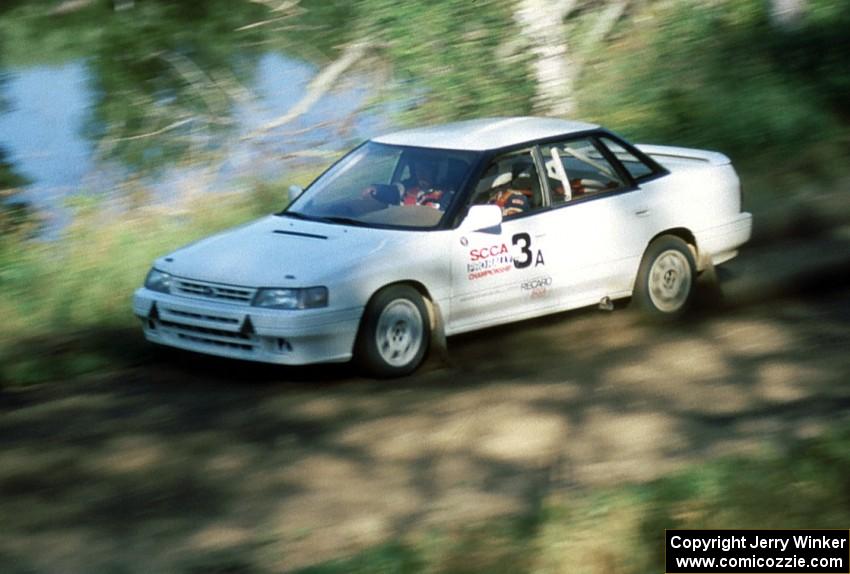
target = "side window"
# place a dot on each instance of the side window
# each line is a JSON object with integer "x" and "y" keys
{"x": 511, "y": 182}
{"x": 634, "y": 165}
{"x": 577, "y": 169}
{"x": 403, "y": 173}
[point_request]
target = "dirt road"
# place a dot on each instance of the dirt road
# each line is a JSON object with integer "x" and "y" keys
{"x": 192, "y": 461}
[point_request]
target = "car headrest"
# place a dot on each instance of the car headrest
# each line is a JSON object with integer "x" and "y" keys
{"x": 502, "y": 179}
{"x": 523, "y": 182}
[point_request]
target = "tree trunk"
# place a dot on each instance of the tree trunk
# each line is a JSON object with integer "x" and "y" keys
{"x": 541, "y": 23}
{"x": 786, "y": 14}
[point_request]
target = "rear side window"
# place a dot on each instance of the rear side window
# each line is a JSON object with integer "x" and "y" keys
{"x": 634, "y": 165}
{"x": 578, "y": 166}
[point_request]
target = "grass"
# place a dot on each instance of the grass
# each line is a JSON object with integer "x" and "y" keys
{"x": 621, "y": 530}
{"x": 66, "y": 301}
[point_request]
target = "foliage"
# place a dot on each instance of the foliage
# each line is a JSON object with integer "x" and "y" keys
{"x": 161, "y": 69}
{"x": 16, "y": 216}
{"x": 719, "y": 75}
{"x": 65, "y": 301}
{"x": 446, "y": 55}
{"x": 817, "y": 53}
{"x": 9, "y": 178}
{"x": 167, "y": 75}
{"x": 711, "y": 74}
{"x": 168, "y": 69}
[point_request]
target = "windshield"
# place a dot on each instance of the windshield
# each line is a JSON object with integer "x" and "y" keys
{"x": 383, "y": 185}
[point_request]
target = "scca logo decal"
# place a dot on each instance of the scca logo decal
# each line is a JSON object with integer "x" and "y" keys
{"x": 485, "y": 252}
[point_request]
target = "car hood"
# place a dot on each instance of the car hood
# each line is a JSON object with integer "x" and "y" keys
{"x": 274, "y": 251}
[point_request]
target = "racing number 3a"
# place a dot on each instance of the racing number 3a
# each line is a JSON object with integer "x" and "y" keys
{"x": 525, "y": 238}
{"x": 524, "y": 241}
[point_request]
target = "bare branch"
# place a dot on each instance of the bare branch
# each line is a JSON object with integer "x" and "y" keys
{"x": 283, "y": 11}
{"x": 69, "y": 6}
{"x": 260, "y": 23}
{"x": 310, "y": 153}
{"x": 172, "y": 126}
{"x": 318, "y": 87}
{"x": 605, "y": 24}
{"x": 285, "y": 5}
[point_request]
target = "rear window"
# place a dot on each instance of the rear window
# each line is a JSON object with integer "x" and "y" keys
{"x": 634, "y": 165}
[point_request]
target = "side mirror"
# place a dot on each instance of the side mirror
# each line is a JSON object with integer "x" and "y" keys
{"x": 482, "y": 218}
{"x": 294, "y": 192}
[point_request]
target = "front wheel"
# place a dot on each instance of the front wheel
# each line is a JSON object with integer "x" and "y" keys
{"x": 665, "y": 280}
{"x": 395, "y": 332}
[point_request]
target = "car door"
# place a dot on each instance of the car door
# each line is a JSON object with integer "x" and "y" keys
{"x": 603, "y": 221}
{"x": 501, "y": 274}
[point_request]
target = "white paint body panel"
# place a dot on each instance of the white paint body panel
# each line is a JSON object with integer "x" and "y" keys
{"x": 485, "y": 134}
{"x": 579, "y": 253}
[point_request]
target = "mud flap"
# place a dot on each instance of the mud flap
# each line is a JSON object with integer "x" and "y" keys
{"x": 439, "y": 345}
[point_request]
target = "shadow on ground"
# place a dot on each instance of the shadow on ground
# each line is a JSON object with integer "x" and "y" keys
{"x": 191, "y": 464}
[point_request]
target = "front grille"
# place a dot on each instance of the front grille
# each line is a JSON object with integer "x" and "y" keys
{"x": 204, "y": 330}
{"x": 201, "y": 317}
{"x": 209, "y": 336}
{"x": 216, "y": 342}
{"x": 213, "y": 291}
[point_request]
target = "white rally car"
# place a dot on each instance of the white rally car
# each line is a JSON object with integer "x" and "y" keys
{"x": 446, "y": 229}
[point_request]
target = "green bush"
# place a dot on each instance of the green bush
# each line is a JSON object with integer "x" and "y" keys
{"x": 720, "y": 76}
{"x": 445, "y": 55}
{"x": 65, "y": 301}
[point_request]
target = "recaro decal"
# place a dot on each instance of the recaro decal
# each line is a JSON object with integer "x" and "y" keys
{"x": 538, "y": 286}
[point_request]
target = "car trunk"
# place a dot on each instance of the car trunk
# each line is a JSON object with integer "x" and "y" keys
{"x": 677, "y": 158}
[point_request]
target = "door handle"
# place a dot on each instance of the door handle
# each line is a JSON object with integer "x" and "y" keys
{"x": 643, "y": 212}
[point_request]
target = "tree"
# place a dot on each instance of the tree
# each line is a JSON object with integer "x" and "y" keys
{"x": 786, "y": 14}
{"x": 558, "y": 62}
{"x": 14, "y": 212}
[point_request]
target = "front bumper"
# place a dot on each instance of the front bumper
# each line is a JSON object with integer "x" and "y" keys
{"x": 244, "y": 332}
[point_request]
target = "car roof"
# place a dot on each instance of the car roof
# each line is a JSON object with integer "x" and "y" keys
{"x": 485, "y": 134}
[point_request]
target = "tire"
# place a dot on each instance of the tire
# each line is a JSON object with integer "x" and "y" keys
{"x": 665, "y": 281}
{"x": 395, "y": 332}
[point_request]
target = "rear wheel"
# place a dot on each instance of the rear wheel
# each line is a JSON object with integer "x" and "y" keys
{"x": 665, "y": 280}
{"x": 395, "y": 332}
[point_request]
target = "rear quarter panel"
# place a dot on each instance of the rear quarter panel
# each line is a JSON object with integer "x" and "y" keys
{"x": 701, "y": 191}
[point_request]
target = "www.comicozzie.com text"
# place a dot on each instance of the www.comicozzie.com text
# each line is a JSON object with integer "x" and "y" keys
{"x": 726, "y": 543}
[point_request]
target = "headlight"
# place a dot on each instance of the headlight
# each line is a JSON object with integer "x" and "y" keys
{"x": 158, "y": 281}
{"x": 306, "y": 298}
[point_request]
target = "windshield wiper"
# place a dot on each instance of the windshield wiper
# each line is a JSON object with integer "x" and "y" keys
{"x": 295, "y": 215}
{"x": 342, "y": 220}
{"x": 330, "y": 219}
